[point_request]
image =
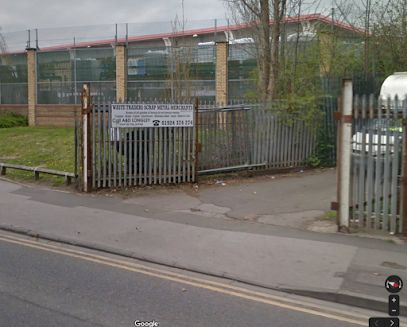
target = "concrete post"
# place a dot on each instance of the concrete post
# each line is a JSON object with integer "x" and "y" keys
{"x": 121, "y": 72}
{"x": 345, "y": 151}
{"x": 32, "y": 84}
{"x": 222, "y": 73}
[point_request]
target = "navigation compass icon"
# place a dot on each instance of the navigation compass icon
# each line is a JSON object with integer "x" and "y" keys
{"x": 394, "y": 284}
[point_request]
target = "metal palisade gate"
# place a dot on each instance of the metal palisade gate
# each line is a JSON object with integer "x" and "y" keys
{"x": 224, "y": 137}
{"x": 160, "y": 152}
{"x": 248, "y": 136}
{"x": 378, "y": 140}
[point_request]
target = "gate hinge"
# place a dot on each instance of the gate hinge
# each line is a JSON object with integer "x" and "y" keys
{"x": 342, "y": 118}
{"x": 198, "y": 147}
{"x": 337, "y": 115}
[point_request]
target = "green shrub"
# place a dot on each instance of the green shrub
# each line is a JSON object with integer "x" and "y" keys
{"x": 313, "y": 161}
{"x": 10, "y": 119}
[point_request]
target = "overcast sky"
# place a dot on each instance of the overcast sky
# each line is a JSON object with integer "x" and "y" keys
{"x": 23, "y": 14}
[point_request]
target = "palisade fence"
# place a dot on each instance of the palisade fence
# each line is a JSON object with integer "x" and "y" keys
{"x": 378, "y": 139}
{"x": 123, "y": 157}
{"x": 249, "y": 136}
{"x": 227, "y": 138}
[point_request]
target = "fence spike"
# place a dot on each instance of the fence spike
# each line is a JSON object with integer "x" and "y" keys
{"x": 396, "y": 107}
{"x": 375, "y": 106}
{"x": 388, "y": 106}
{"x": 356, "y": 107}
{"x": 405, "y": 107}
{"x": 380, "y": 104}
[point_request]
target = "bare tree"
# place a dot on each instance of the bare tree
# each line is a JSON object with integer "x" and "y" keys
{"x": 389, "y": 35}
{"x": 257, "y": 14}
{"x": 279, "y": 10}
{"x": 179, "y": 61}
{"x": 385, "y": 32}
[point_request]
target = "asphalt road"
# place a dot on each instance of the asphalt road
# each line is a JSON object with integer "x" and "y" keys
{"x": 42, "y": 288}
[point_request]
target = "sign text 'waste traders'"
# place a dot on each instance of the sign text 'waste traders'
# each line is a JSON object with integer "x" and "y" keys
{"x": 152, "y": 115}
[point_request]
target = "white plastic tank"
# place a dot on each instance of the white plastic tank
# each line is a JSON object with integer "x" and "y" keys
{"x": 394, "y": 85}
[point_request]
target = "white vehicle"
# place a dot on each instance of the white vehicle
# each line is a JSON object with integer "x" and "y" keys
{"x": 382, "y": 134}
{"x": 394, "y": 86}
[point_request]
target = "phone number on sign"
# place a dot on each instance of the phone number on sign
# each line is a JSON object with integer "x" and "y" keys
{"x": 177, "y": 123}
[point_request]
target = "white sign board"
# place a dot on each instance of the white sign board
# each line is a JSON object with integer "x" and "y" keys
{"x": 152, "y": 115}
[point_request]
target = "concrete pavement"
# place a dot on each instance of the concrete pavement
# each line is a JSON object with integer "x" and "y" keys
{"x": 243, "y": 231}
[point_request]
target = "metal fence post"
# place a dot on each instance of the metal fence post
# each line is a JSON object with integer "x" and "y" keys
{"x": 86, "y": 139}
{"x": 404, "y": 178}
{"x": 197, "y": 143}
{"x": 345, "y": 151}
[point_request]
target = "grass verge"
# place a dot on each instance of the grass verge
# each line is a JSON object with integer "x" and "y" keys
{"x": 46, "y": 147}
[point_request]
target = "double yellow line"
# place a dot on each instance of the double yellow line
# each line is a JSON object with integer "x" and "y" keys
{"x": 273, "y": 300}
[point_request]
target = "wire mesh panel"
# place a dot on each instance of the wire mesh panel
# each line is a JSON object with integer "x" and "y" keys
{"x": 242, "y": 65}
{"x": 124, "y": 157}
{"x": 55, "y": 84}
{"x": 62, "y": 73}
{"x": 13, "y": 79}
{"x": 97, "y": 66}
{"x": 171, "y": 72}
{"x": 377, "y": 150}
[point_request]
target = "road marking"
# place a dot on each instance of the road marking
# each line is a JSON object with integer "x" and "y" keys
{"x": 274, "y": 300}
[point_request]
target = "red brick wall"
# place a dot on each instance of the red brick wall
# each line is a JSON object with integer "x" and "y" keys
{"x": 57, "y": 115}
{"x": 21, "y": 109}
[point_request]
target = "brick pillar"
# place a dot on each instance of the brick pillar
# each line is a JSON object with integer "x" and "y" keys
{"x": 222, "y": 73}
{"x": 32, "y": 84}
{"x": 121, "y": 72}
{"x": 326, "y": 52}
